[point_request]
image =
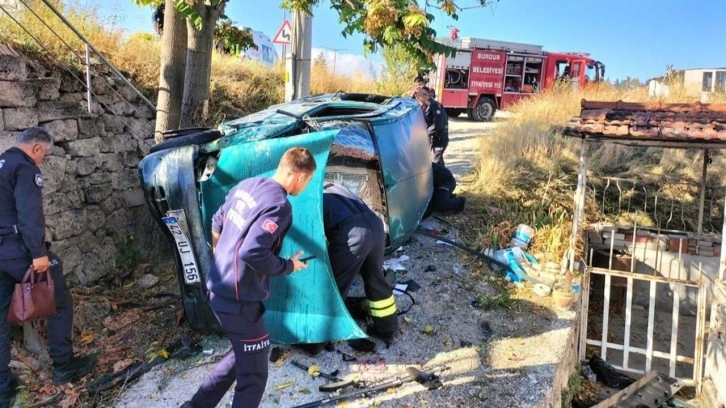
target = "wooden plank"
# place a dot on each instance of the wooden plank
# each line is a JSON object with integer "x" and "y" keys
{"x": 615, "y": 398}
{"x": 585, "y": 293}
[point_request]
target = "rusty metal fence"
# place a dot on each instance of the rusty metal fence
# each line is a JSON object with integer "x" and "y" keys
{"x": 666, "y": 205}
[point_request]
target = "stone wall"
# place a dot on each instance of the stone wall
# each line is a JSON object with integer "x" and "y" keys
{"x": 94, "y": 206}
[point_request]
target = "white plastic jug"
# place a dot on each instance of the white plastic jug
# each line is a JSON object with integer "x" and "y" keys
{"x": 522, "y": 236}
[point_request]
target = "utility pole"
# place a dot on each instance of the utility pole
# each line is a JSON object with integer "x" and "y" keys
{"x": 284, "y": 47}
{"x": 300, "y": 49}
{"x": 335, "y": 55}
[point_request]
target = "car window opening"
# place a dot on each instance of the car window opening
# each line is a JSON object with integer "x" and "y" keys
{"x": 329, "y": 111}
{"x": 355, "y": 163}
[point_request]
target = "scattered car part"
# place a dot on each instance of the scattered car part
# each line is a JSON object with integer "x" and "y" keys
{"x": 427, "y": 378}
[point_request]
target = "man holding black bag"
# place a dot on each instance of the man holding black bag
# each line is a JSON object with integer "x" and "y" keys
{"x": 22, "y": 245}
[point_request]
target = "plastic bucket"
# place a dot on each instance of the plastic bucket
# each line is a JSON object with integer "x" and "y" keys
{"x": 522, "y": 236}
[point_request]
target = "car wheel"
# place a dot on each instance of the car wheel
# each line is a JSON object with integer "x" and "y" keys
{"x": 186, "y": 140}
{"x": 485, "y": 109}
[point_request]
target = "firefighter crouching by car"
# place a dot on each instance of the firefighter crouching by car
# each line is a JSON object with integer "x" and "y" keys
{"x": 356, "y": 241}
{"x": 247, "y": 233}
{"x": 22, "y": 244}
{"x": 437, "y": 124}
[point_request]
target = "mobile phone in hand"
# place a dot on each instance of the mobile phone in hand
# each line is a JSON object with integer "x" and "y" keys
{"x": 307, "y": 258}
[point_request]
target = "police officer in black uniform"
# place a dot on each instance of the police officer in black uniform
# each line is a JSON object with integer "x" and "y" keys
{"x": 22, "y": 244}
{"x": 356, "y": 241}
{"x": 247, "y": 232}
{"x": 437, "y": 124}
{"x": 443, "y": 198}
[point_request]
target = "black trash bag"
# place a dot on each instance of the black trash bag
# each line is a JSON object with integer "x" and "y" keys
{"x": 607, "y": 374}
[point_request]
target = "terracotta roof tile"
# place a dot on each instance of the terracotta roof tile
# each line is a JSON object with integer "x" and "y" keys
{"x": 654, "y": 122}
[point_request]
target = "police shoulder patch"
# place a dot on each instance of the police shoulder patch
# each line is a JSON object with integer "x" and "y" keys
{"x": 38, "y": 180}
{"x": 438, "y": 111}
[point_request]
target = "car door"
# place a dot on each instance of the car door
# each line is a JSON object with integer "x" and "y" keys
{"x": 403, "y": 146}
{"x": 304, "y": 307}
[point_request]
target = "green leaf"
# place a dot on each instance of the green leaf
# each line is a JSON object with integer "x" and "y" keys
{"x": 144, "y": 3}
{"x": 413, "y": 20}
{"x": 188, "y": 12}
{"x": 391, "y": 34}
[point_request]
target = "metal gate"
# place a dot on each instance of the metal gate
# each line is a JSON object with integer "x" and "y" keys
{"x": 649, "y": 352}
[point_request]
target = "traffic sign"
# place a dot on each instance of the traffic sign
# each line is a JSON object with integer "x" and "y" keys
{"x": 284, "y": 34}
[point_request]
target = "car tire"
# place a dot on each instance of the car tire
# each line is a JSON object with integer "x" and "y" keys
{"x": 484, "y": 110}
{"x": 186, "y": 140}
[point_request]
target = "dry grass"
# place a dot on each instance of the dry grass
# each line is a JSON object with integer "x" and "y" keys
{"x": 237, "y": 87}
{"x": 137, "y": 55}
{"x": 242, "y": 87}
{"x": 323, "y": 80}
{"x": 528, "y": 169}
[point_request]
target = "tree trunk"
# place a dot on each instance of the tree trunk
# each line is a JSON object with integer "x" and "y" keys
{"x": 171, "y": 77}
{"x": 195, "y": 104}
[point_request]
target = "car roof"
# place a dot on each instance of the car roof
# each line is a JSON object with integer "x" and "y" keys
{"x": 336, "y": 110}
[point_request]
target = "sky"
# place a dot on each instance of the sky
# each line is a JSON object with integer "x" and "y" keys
{"x": 634, "y": 38}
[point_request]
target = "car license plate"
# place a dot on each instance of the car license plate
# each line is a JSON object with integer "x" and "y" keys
{"x": 191, "y": 272}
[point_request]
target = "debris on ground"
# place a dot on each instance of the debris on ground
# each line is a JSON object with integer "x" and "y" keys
{"x": 129, "y": 327}
{"x": 494, "y": 351}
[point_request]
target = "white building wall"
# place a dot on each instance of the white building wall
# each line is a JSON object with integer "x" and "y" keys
{"x": 693, "y": 81}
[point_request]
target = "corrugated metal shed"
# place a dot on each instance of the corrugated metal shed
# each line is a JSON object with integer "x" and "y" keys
{"x": 652, "y": 124}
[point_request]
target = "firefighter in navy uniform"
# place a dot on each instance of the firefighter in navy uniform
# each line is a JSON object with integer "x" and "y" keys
{"x": 22, "y": 244}
{"x": 247, "y": 232}
{"x": 437, "y": 124}
{"x": 356, "y": 241}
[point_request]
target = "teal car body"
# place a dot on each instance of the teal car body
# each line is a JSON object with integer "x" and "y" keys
{"x": 376, "y": 146}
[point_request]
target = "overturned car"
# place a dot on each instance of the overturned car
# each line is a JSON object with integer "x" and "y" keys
{"x": 374, "y": 145}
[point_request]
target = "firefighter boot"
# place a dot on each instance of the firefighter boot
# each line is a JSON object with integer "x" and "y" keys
{"x": 357, "y": 307}
{"x": 73, "y": 369}
{"x": 384, "y": 328}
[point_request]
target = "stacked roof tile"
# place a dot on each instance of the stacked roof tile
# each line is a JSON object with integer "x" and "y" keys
{"x": 654, "y": 122}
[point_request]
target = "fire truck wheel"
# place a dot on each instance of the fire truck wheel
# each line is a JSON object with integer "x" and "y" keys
{"x": 485, "y": 109}
{"x": 453, "y": 113}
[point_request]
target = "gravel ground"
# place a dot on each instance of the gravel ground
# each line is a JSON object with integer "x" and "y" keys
{"x": 504, "y": 355}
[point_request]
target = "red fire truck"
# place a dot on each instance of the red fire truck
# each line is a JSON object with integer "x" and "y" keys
{"x": 486, "y": 75}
